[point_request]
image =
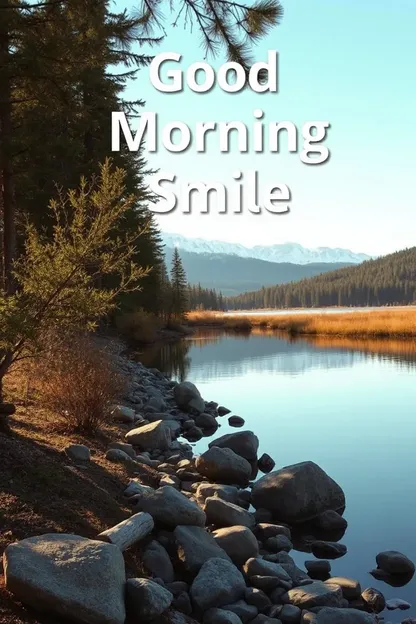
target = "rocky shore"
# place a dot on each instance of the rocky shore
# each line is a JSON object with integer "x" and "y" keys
{"x": 214, "y": 539}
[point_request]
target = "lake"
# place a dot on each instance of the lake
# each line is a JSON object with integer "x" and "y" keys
{"x": 348, "y": 405}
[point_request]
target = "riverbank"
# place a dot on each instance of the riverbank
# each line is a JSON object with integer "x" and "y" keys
{"x": 388, "y": 323}
{"x": 202, "y": 541}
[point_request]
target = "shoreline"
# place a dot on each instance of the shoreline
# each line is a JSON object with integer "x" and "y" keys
{"x": 206, "y": 534}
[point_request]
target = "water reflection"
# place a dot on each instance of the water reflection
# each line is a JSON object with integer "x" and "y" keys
{"x": 217, "y": 354}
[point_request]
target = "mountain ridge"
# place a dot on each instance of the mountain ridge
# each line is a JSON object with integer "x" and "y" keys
{"x": 292, "y": 253}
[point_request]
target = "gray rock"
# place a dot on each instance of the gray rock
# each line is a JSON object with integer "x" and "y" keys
{"x": 330, "y": 520}
{"x": 223, "y": 514}
{"x": 257, "y": 597}
{"x": 183, "y": 603}
{"x": 266, "y": 463}
{"x": 351, "y": 589}
{"x": 243, "y": 443}
{"x": 68, "y": 575}
{"x": 155, "y": 435}
{"x": 328, "y": 550}
{"x": 374, "y": 600}
{"x": 317, "y": 594}
{"x": 218, "y": 583}
{"x": 170, "y": 507}
{"x": 318, "y": 568}
{"x": 206, "y": 421}
{"x": 220, "y": 616}
{"x": 394, "y": 562}
{"x": 265, "y": 583}
{"x": 226, "y": 492}
{"x": 236, "y": 421}
{"x": 330, "y": 615}
{"x": 157, "y": 561}
{"x": 279, "y": 542}
{"x": 123, "y": 414}
{"x": 257, "y": 566}
{"x": 196, "y": 546}
{"x": 188, "y": 397}
{"x": 171, "y": 480}
{"x": 123, "y": 446}
{"x": 78, "y": 452}
{"x": 397, "y": 603}
{"x": 194, "y": 434}
{"x": 238, "y": 542}
{"x": 145, "y": 599}
{"x": 298, "y": 493}
{"x": 245, "y": 612}
{"x": 223, "y": 411}
{"x": 290, "y": 614}
{"x": 224, "y": 466}
{"x": 264, "y": 530}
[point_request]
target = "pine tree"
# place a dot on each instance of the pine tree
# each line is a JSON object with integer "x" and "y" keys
{"x": 179, "y": 287}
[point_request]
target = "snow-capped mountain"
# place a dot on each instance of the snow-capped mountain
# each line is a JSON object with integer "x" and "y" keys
{"x": 286, "y": 252}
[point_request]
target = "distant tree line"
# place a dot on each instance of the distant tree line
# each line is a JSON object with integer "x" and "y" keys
{"x": 205, "y": 298}
{"x": 390, "y": 280}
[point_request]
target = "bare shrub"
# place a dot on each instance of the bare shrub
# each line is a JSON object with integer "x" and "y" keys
{"x": 77, "y": 381}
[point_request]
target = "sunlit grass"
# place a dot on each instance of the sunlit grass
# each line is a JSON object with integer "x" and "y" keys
{"x": 377, "y": 323}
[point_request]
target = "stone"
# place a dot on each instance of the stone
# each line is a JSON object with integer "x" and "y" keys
{"x": 328, "y": 550}
{"x": 145, "y": 599}
{"x": 266, "y": 463}
{"x": 226, "y": 492}
{"x": 223, "y": 514}
{"x": 397, "y": 603}
{"x": 78, "y": 452}
{"x": 218, "y": 583}
{"x": 394, "y": 562}
{"x": 330, "y": 615}
{"x": 123, "y": 414}
{"x": 298, "y": 493}
{"x": 279, "y": 542}
{"x": 257, "y": 597}
{"x": 194, "y": 434}
{"x": 170, "y": 507}
{"x": 223, "y": 411}
{"x": 155, "y": 435}
{"x": 318, "y": 568}
{"x": 68, "y": 575}
{"x": 195, "y": 546}
{"x": 157, "y": 561}
{"x": 264, "y": 530}
{"x": 171, "y": 480}
{"x": 206, "y": 421}
{"x": 123, "y": 446}
{"x": 374, "y": 600}
{"x": 224, "y": 466}
{"x": 261, "y": 618}
{"x": 351, "y": 589}
{"x": 265, "y": 583}
{"x": 183, "y": 603}
{"x": 243, "y": 443}
{"x": 220, "y": 616}
{"x": 236, "y": 421}
{"x": 330, "y": 520}
{"x": 316, "y": 594}
{"x": 245, "y": 612}
{"x": 290, "y": 614}
{"x": 256, "y": 566}
{"x": 238, "y": 542}
{"x": 188, "y": 397}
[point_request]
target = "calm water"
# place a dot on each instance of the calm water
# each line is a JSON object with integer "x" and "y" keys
{"x": 350, "y": 406}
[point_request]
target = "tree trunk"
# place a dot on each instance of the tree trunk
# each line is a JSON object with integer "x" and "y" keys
{"x": 7, "y": 199}
{"x": 129, "y": 531}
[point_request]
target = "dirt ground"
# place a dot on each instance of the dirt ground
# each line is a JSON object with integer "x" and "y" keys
{"x": 42, "y": 491}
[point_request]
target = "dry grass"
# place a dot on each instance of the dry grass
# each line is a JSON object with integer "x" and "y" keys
{"x": 76, "y": 380}
{"x": 138, "y": 327}
{"x": 398, "y": 323}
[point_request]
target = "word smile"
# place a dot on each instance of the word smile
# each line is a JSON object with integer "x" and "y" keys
{"x": 243, "y": 195}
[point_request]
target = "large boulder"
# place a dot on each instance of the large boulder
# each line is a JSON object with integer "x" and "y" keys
{"x": 156, "y": 435}
{"x": 316, "y": 594}
{"x": 226, "y": 492}
{"x": 224, "y": 466}
{"x": 298, "y": 493}
{"x": 244, "y": 443}
{"x": 394, "y": 563}
{"x": 223, "y": 514}
{"x": 196, "y": 546}
{"x": 256, "y": 566}
{"x": 218, "y": 583}
{"x": 146, "y": 600}
{"x": 69, "y": 576}
{"x": 188, "y": 397}
{"x": 238, "y": 542}
{"x": 157, "y": 561}
{"x": 171, "y": 508}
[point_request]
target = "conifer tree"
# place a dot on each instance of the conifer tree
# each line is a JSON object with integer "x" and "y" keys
{"x": 179, "y": 286}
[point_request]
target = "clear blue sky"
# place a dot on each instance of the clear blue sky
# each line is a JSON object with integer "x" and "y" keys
{"x": 350, "y": 62}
